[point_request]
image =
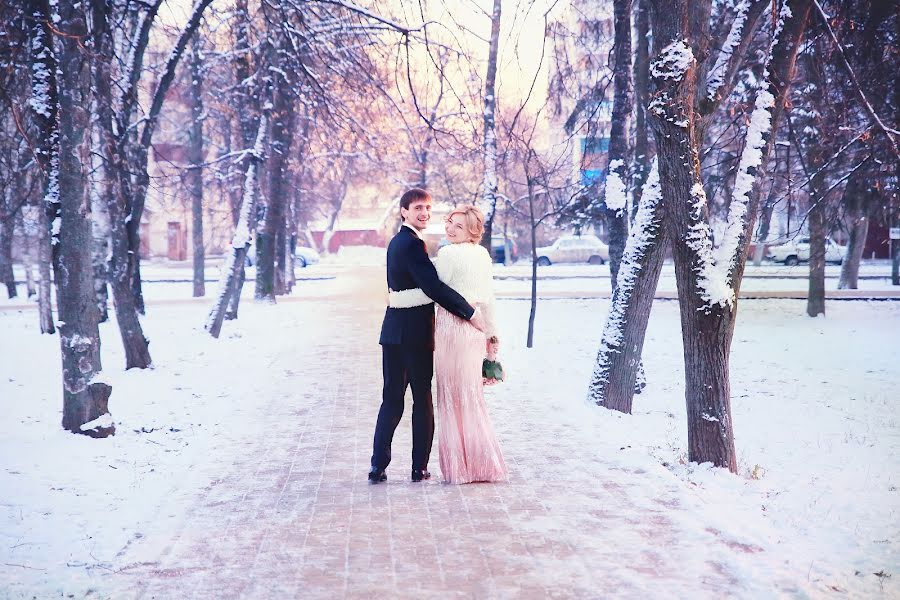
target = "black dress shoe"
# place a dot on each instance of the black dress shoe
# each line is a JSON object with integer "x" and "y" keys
{"x": 420, "y": 474}
{"x": 377, "y": 475}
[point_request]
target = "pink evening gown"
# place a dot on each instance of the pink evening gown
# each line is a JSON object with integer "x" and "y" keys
{"x": 467, "y": 445}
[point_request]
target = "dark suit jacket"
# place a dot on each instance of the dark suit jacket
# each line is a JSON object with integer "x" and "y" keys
{"x": 409, "y": 267}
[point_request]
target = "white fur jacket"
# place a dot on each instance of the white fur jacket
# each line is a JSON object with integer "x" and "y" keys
{"x": 468, "y": 269}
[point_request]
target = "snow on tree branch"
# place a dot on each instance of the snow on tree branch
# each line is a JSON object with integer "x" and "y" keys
{"x": 717, "y": 75}
{"x": 644, "y": 233}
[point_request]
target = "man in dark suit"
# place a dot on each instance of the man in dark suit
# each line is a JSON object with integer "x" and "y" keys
{"x": 407, "y": 337}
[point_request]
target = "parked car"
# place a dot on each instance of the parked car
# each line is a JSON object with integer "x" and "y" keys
{"x": 797, "y": 251}
{"x": 574, "y": 249}
{"x": 303, "y": 256}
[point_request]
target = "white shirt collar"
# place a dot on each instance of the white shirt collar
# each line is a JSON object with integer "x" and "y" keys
{"x": 414, "y": 230}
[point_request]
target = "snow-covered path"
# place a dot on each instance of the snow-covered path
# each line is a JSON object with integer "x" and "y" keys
{"x": 239, "y": 469}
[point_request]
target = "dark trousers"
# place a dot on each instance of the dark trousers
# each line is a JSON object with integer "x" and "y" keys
{"x": 402, "y": 366}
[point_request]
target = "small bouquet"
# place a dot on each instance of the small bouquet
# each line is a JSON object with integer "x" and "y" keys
{"x": 491, "y": 369}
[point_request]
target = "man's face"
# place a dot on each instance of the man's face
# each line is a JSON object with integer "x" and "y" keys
{"x": 418, "y": 214}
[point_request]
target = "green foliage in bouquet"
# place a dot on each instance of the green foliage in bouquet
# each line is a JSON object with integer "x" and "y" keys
{"x": 491, "y": 369}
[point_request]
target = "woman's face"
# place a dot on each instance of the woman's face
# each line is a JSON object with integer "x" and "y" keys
{"x": 456, "y": 229}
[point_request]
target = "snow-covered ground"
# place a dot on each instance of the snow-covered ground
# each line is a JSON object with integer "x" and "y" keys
{"x": 815, "y": 410}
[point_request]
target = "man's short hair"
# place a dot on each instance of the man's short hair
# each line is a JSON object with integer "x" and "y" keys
{"x": 413, "y": 195}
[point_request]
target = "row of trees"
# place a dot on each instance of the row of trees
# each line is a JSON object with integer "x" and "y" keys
{"x": 282, "y": 107}
{"x": 729, "y": 84}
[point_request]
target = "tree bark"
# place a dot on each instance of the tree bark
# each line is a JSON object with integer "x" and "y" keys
{"x": 533, "y": 309}
{"x": 233, "y": 270}
{"x": 83, "y": 398}
{"x": 194, "y": 175}
{"x": 6, "y": 262}
{"x": 267, "y": 238}
{"x": 115, "y": 151}
{"x": 641, "y": 164}
{"x": 489, "y": 182}
{"x": 616, "y": 371}
{"x": 815, "y": 302}
{"x": 45, "y": 110}
{"x": 856, "y": 206}
{"x": 707, "y": 316}
{"x": 615, "y": 200}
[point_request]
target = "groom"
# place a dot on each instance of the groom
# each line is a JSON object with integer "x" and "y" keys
{"x": 407, "y": 336}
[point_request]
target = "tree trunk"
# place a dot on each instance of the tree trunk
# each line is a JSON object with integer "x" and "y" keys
{"x": 101, "y": 193}
{"x": 815, "y": 302}
{"x": 267, "y": 237}
{"x": 28, "y": 254}
{"x": 84, "y": 400}
{"x": 616, "y": 372}
{"x": 6, "y": 262}
{"x": 856, "y": 203}
{"x": 232, "y": 270}
{"x": 708, "y": 306}
{"x": 135, "y": 344}
{"x": 489, "y": 182}
{"x": 616, "y": 193}
{"x": 194, "y": 175}
{"x": 530, "y": 341}
{"x": 641, "y": 163}
{"x": 45, "y": 110}
{"x": 45, "y": 282}
{"x": 765, "y": 223}
{"x": 139, "y": 151}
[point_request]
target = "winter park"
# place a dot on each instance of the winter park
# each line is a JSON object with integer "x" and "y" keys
{"x": 394, "y": 299}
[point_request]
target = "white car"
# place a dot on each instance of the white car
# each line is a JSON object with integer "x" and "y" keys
{"x": 797, "y": 251}
{"x": 574, "y": 249}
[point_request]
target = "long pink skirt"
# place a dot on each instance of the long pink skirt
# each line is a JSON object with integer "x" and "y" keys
{"x": 467, "y": 446}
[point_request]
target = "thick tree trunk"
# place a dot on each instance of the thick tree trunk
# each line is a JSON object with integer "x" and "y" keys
{"x": 267, "y": 237}
{"x": 489, "y": 182}
{"x": 232, "y": 270}
{"x": 84, "y": 399}
{"x": 856, "y": 203}
{"x": 616, "y": 193}
{"x": 194, "y": 175}
{"x": 708, "y": 310}
{"x": 617, "y": 371}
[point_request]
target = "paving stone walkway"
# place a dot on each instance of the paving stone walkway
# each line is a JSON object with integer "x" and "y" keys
{"x": 294, "y": 517}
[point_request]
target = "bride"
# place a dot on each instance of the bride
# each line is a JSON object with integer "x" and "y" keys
{"x": 467, "y": 446}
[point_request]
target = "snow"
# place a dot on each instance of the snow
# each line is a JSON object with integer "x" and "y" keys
{"x": 751, "y": 160}
{"x": 673, "y": 62}
{"x": 812, "y": 513}
{"x": 616, "y": 197}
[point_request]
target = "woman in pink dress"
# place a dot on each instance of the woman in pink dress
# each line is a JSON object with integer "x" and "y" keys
{"x": 467, "y": 446}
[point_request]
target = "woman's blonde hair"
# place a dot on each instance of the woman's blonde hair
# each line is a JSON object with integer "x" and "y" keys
{"x": 474, "y": 220}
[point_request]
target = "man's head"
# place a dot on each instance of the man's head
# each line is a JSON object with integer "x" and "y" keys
{"x": 415, "y": 208}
